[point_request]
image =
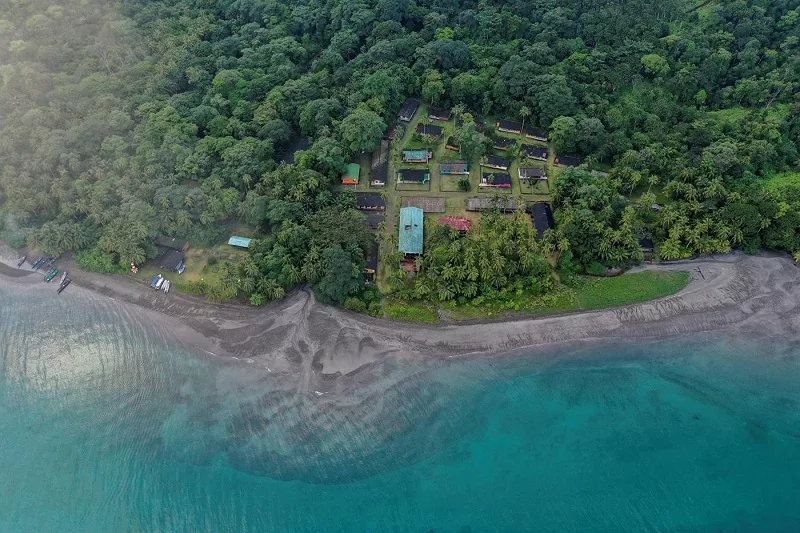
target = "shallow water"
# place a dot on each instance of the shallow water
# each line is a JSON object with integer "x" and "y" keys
{"x": 106, "y": 424}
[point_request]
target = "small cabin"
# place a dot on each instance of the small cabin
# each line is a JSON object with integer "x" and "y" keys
{"x": 499, "y": 163}
{"x": 496, "y": 179}
{"x": 441, "y": 115}
{"x": 413, "y": 175}
{"x": 374, "y": 219}
{"x": 542, "y": 218}
{"x": 534, "y": 152}
{"x": 568, "y": 160}
{"x": 372, "y": 263}
{"x": 508, "y": 126}
{"x": 408, "y": 110}
{"x": 450, "y": 168}
{"x": 239, "y": 242}
{"x": 170, "y": 260}
{"x": 379, "y": 165}
{"x": 417, "y": 156}
{"x": 370, "y": 201}
{"x": 504, "y": 143}
{"x": 173, "y": 243}
{"x": 430, "y": 129}
{"x": 532, "y": 173}
{"x": 537, "y": 134}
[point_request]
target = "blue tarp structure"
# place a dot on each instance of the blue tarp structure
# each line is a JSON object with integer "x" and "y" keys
{"x": 242, "y": 242}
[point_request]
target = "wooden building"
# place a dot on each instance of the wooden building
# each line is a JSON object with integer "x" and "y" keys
{"x": 532, "y": 173}
{"x": 508, "y": 126}
{"x": 537, "y": 134}
{"x": 454, "y": 168}
{"x": 496, "y": 179}
{"x": 568, "y": 160}
{"x": 499, "y": 163}
{"x": 534, "y": 152}
{"x": 417, "y": 156}
{"x": 542, "y": 217}
{"x": 408, "y": 110}
{"x": 430, "y": 129}
{"x": 413, "y": 175}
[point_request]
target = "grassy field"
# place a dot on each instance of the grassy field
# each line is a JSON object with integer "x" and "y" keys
{"x": 202, "y": 265}
{"x": 410, "y": 311}
{"x": 594, "y": 293}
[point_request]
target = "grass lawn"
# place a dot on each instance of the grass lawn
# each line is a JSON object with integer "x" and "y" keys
{"x": 411, "y": 311}
{"x": 449, "y": 183}
{"x": 537, "y": 187}
{"x": 413, "y": 187}
{"x": 594, "y": 293}
{"x": 198, "y": 268}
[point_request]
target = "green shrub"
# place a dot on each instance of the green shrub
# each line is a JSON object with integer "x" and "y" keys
{"x": 355, "y": 304}
{"x": 98, "y": 260}
{"x": 596, "y": 269}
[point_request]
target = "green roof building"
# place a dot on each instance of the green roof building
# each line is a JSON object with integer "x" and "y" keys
{"x": 241, "y": 242}
{"x": 410, "y": 230}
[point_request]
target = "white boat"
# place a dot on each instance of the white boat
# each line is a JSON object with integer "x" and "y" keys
{"x": 159, "y": 283}
{"x": 166, "y": 286}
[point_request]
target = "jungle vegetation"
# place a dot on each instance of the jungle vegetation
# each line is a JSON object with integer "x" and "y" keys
{"x": 123, "y": 121}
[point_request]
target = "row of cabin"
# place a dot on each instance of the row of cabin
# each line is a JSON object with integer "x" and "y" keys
{"x": 410, "y": 107}
{"x": 503, "y": 180}
{"x": 509, "y": 126}
{"x": 421, "y": 176}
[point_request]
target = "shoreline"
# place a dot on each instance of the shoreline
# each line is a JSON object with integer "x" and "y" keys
{"x": 298, "y": 335}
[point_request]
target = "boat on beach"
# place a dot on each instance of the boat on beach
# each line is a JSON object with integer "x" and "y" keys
{"x": 24, "y": 257}
{"x": 155, "y": 281}
{"x": 63, "y": 285}
{"x": 166, "y": 286}
{"x": 63, "y": 276}
{"x": 160, "y": 283}
{"x": 39, "y": 262}
{"x": 50, "y": 275}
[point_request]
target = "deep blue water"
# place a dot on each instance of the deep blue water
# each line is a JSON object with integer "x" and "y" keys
{"x": 107, "y": 425}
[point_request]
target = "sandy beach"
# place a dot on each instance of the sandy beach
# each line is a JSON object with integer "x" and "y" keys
{"x": 737, "y": 293}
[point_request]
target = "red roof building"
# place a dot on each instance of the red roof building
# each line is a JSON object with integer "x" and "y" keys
{"x": 459, "y": 223}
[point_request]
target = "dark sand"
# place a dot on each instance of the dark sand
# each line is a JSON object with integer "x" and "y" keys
{"x": 736, "y": 293}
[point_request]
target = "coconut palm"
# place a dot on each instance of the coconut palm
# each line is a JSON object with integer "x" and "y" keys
{"x": 524, "y": 112}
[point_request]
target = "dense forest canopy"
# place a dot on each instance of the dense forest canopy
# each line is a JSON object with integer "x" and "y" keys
{"x": 123, "y": 121}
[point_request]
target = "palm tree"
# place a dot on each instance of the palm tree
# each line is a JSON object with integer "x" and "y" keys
{"x": 652, "y": 179}
{"x": 524, "y": 112}
{"x": 458, "y": 112}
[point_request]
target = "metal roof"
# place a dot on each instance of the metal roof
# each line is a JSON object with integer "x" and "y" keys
{"x": 417, "y": 155}
{"x": 242, "y": 242}
{"x": 410, "y": 241}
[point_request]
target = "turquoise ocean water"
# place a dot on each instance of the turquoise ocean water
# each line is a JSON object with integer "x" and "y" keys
{"x": 106, "y": 425}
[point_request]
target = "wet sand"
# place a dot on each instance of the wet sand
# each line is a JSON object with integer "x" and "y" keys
{"x": 736, "y": 293}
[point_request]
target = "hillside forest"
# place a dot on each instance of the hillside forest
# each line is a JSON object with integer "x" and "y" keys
{"x": 124, "y": 121}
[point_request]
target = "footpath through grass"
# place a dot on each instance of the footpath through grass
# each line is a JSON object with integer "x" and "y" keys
{"x": 591, "y": 293}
